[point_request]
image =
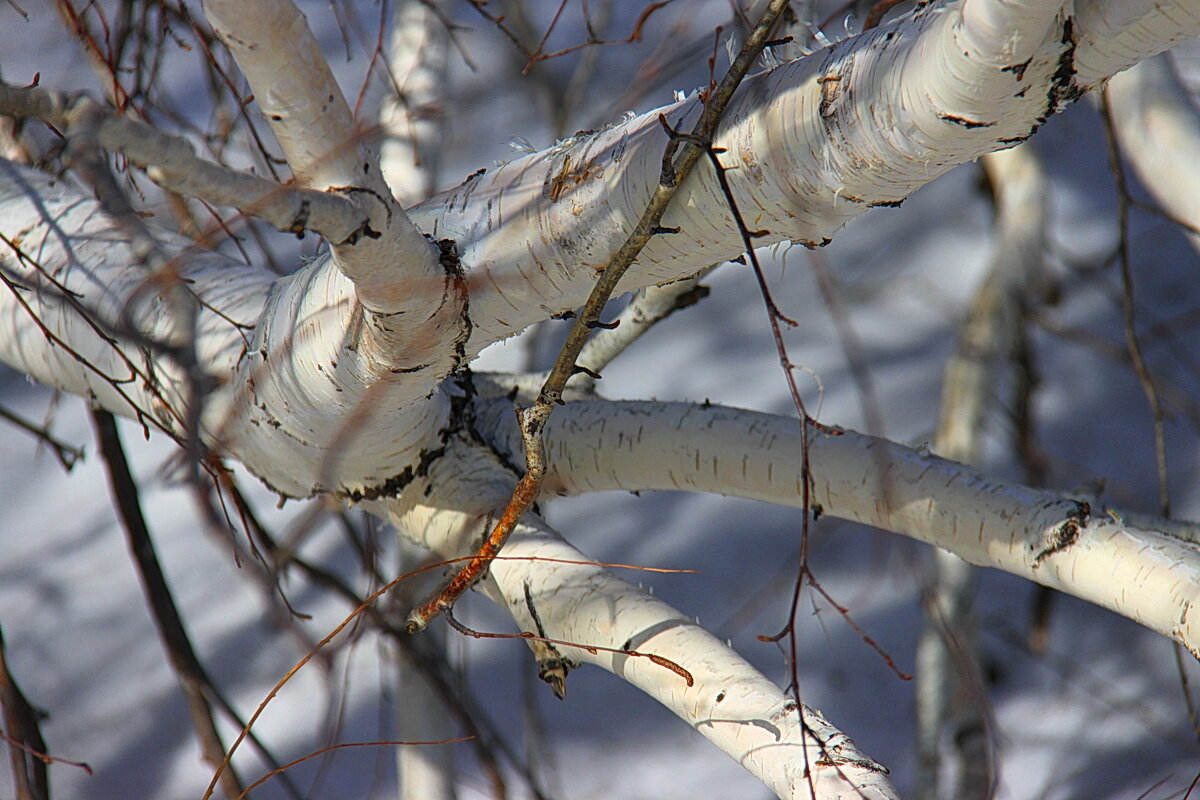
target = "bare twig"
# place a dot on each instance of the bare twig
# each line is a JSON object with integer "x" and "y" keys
{"x": 67, "y": 454}
{"x": 1127, "y": 306}
{"x": 198, "y": 688}
{"x": 1145, "y": 377}
{"x": 26, "y": 747}
{"x": 648, "y": 307}
{"x": 682, "y": 152}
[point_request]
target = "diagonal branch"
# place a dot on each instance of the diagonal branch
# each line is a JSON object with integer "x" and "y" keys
{"x": 681, "y": 155}
{"x": 394, "y": 274}
{"x": 728, "y": 701}
{"x": 23, "y": 736}
{"x": 817, "y": 142}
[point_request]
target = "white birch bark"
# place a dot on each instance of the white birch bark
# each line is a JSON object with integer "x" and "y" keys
{"x": 409, "y": 123}
{"x": 729, "y": 702}
{"x": 293, "y": 395}
{"x": 815, "y": 142}
{"x": 1146, "y": 574}
{"x": 412, "y": 116}
{"x": 1158, "y": 128}
{"x": 396, "y": 273}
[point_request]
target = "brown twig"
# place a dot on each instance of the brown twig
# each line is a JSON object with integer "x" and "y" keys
{"x": 68, "y": 455}
{"x": 364, "y": 606}
{"x": 198, "y": 688}
{"x": 539, "y": 54}
{"x": 1127, "y": 307}
{"x": 681, "y": 154}
{"x": 340, "y": 746}
{"x": 591, "y": 648}
{"x": 26, "y": 747}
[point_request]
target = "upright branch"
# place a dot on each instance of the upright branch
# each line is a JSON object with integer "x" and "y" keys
{"x": 395, "y": 269}
{"x": 682, "y": 153}
{"x": 412, "y": 119}
{"x": 950, "y": 694}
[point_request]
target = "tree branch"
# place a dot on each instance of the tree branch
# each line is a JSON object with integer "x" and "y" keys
{"x": 265, "y": 344}
{"x": 172, "y": 164}
{"x": 396, "y": 275}
{"x": 1159, "y": 132}
{"x": 1143, "y": 572}
{"x": 730, "y": 702}
{"x": 817, "y": 141}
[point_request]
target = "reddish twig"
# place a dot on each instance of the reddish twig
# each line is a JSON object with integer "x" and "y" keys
{"x": 680, "y": 156}
{"x": 661, "y": 661}
{"x": 342, "y": 746}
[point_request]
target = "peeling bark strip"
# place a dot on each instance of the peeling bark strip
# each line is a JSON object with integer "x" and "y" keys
{"x": 963, "y": 121}
{"x": 1063, "y": 89}
{"x": 448, "y": 258}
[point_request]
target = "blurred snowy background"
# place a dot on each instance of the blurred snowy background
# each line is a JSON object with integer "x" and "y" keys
{"x": 1098, "y": 713}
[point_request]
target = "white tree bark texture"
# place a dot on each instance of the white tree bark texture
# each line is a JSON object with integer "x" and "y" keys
{"x": 1148, "y": 575}
{"x": 729, "y": 701}
{"x": 411, "y": 118}
{"x": 815, "y": 142}
{"x": 1158, "y": 128}
{"x": 295, "y": 399}
{"x": 397, "y": 274}
{"x": 807, "y": 164}
{"x": 409, "y": 124}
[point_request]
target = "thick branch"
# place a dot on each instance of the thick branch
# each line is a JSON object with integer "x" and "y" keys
{"x": 1144, "y": 573}
{"x": 396, "y": 275}
{"x": 730, "y": 702}
{"x": 816, "y": 142}
{"x": 292, "y": 397}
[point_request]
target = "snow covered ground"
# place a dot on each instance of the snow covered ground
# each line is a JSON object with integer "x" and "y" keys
{"x": 1099, "y": 714}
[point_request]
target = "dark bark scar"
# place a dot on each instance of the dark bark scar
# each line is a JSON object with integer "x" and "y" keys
{"x": 1066, "y": 534}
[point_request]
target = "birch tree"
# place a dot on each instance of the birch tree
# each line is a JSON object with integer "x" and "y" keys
{"x": 349, "y": 379}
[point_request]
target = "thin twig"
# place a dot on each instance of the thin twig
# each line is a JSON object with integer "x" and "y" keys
{"x": 67, "y": 454}
{"x": 21, "y": 731}
{"x": 682, "y": 153}
{"x": 1135, "y": 352}
{"x": 1127, "y": 307}
{"x": 193, "y": 679}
